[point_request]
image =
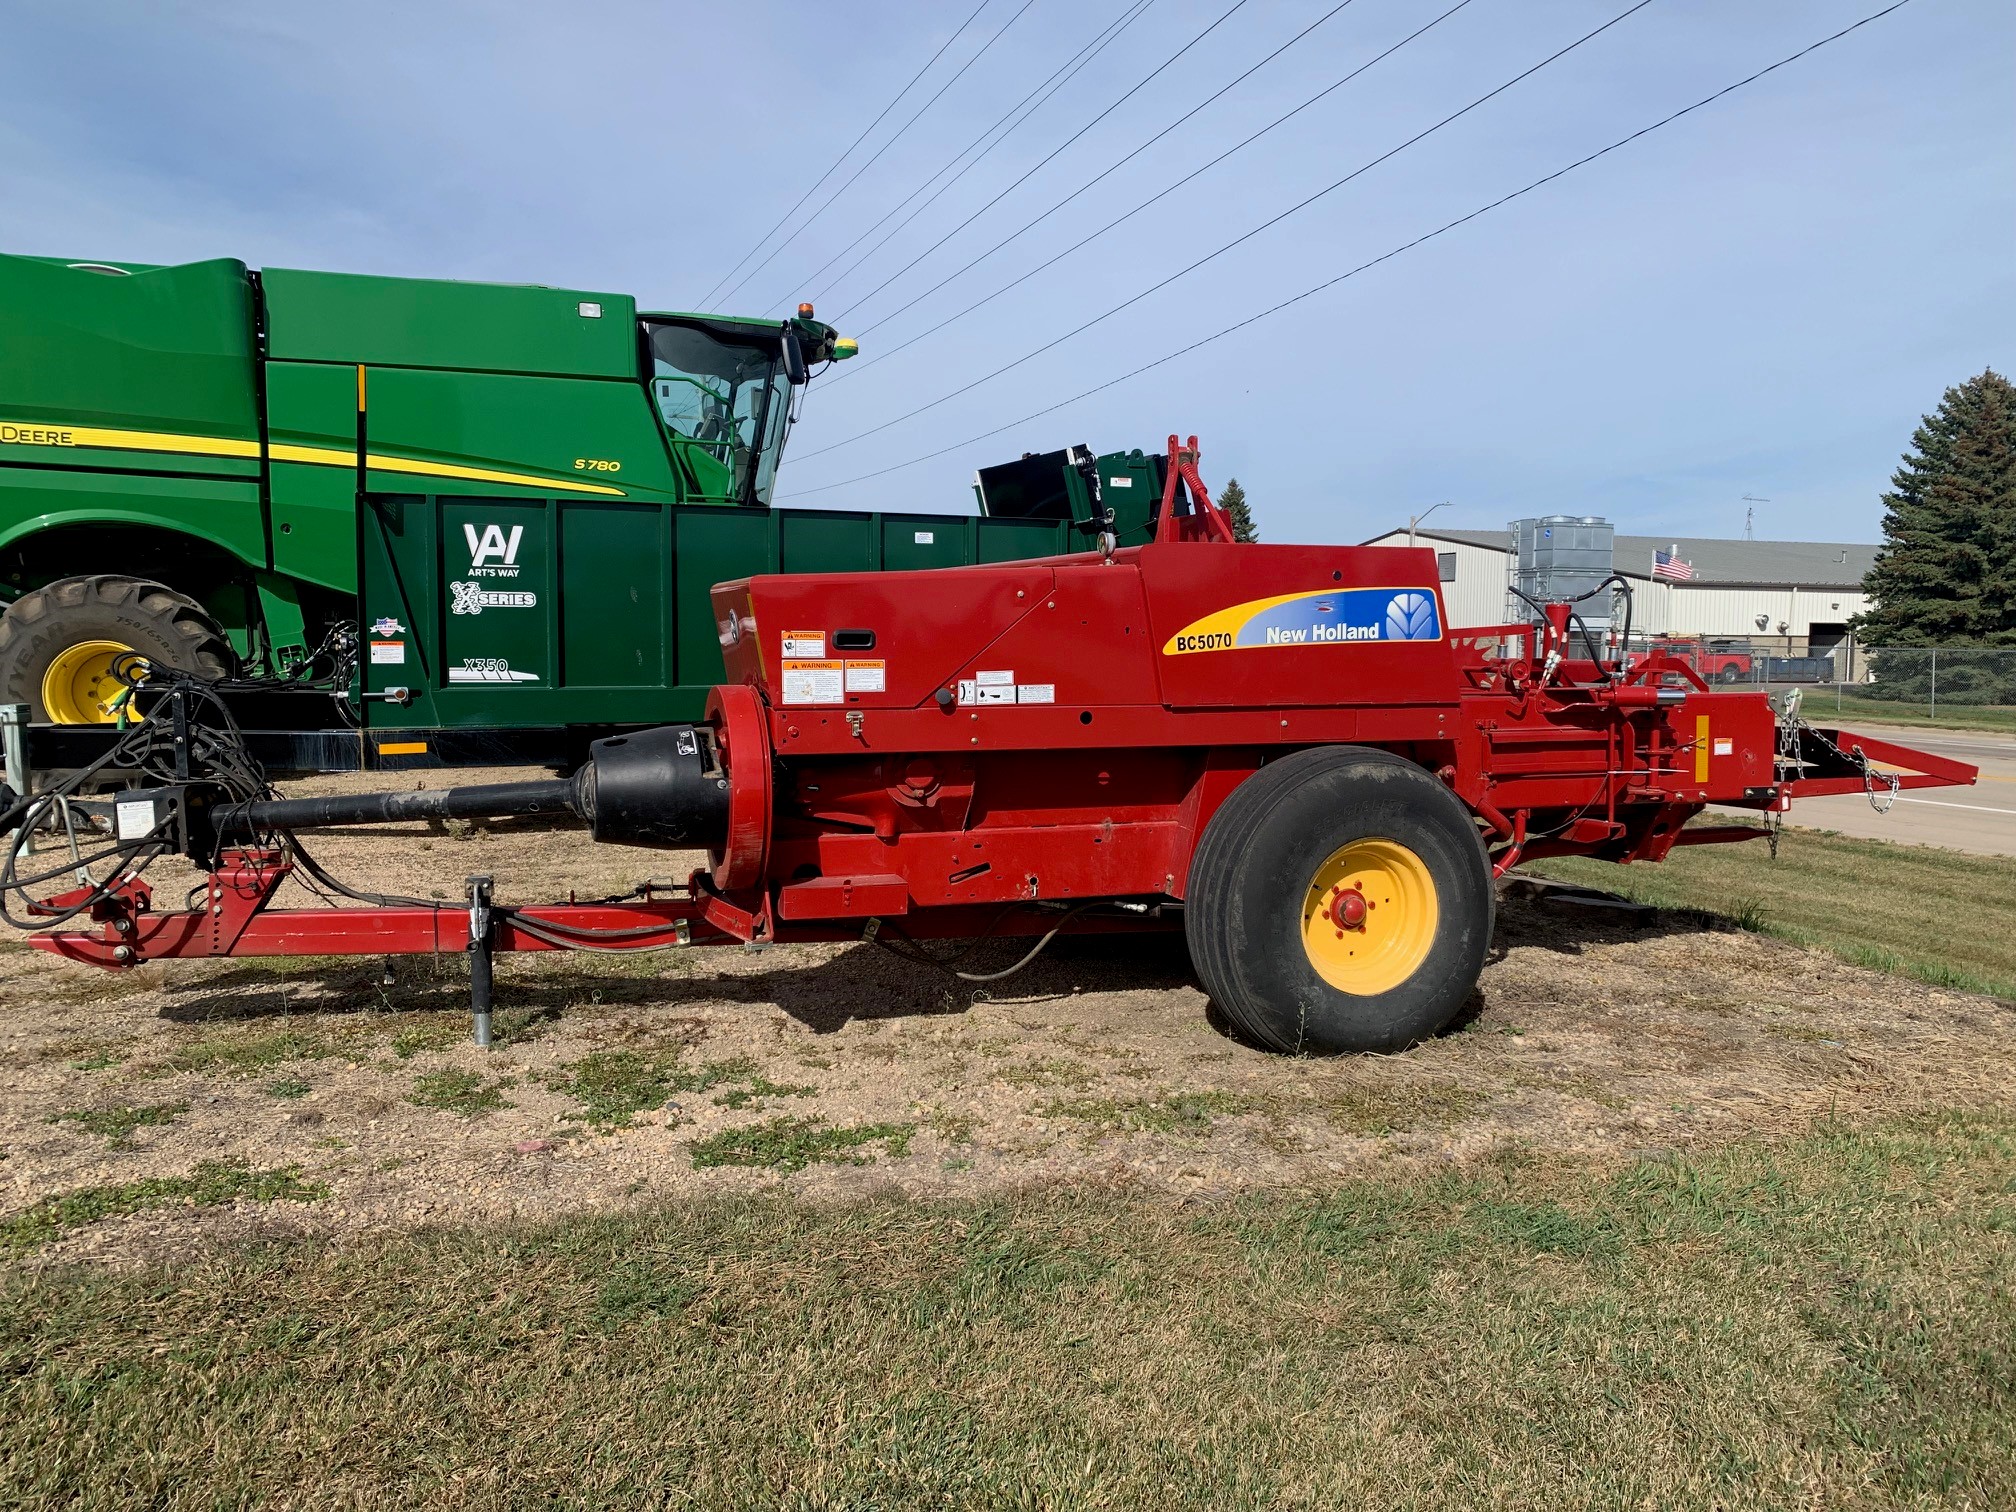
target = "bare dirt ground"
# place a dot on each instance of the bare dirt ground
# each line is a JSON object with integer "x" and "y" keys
{"x": 618, "y": 1078}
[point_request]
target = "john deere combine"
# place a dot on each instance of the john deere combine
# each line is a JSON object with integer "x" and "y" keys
{"x": 534, "y": 488}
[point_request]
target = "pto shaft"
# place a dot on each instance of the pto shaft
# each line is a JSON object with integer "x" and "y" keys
{"x": 664, "y": 788}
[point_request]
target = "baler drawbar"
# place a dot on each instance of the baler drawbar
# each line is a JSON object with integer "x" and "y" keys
{"x": 1285, "y": 751}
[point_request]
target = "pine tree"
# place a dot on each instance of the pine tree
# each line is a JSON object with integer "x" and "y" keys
{"x": 1946, "y": 573}
{"x": 1233, "y": 501}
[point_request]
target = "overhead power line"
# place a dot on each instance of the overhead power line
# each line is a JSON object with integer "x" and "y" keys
{"x": 1120, "y": 163}
{"x": 1384, "y": 257}
{"x": 1138, "y": 87}
{"x": 1244, "y": 236}
{"x": 1020, "y": 112}
{"x": 1153, "y": 199}
{"x": 835, "y": 168}
{"x": 897, "y": 136}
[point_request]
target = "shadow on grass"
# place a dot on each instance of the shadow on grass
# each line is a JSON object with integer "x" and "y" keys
{"x": 861, "y": 984}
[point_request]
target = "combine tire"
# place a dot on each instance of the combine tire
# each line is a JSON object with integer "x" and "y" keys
{"x": 1340, "y": 900}
{"x": 58, "y": 644}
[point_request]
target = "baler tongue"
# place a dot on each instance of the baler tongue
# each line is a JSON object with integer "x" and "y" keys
{"x": 1821, "y": 762}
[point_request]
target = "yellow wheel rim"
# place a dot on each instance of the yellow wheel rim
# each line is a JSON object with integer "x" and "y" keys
{"x": 1369, "y": 916}
{"x": 79, "y": 687}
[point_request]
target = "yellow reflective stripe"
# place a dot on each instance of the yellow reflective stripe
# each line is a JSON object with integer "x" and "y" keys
{"x": 1702, "y": 743}
{"x": 1231, "y": 621}
{"x": 55, "y": 434}
{"x": 323, "y": 456}
{"x": 47, "y": 433}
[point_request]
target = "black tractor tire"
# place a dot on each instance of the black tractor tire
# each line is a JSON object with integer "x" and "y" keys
{"x": 168, "y": 628}
{"x": 1255, "y": 873}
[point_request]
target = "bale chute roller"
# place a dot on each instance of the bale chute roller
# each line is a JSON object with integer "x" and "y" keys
{"x": 1285, "y": 751}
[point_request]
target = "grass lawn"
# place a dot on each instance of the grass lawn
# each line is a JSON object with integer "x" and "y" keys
{"x": 1938, "y": 915}
{"x": 1821, "y": 708}
{"x": 1830, "y": 1321}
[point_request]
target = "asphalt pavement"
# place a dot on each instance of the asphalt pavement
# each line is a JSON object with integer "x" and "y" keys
{"x": 1979, "y": 818}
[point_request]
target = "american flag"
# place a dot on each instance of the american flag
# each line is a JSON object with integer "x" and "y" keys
{"x": 1667, "y": 564}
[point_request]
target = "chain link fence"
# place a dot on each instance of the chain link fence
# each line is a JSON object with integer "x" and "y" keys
{"x": 1973, "y": 686}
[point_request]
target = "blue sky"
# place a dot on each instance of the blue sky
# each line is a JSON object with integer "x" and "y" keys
{"x": 1760, "y": 299}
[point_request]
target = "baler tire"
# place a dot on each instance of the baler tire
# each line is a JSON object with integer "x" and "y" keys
{"x": 1250, "y": 882}
{"x": 148, "y": 617}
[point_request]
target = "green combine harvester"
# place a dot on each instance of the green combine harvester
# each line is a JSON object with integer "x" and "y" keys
{"x": 534, "y": 488}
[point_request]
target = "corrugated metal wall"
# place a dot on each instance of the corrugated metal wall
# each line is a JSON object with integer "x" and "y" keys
{"x": 1477, "y": 597}
{"x": 1681, "y": 609}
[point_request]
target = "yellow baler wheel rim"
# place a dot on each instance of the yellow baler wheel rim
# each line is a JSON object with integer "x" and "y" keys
{"x": 1398, "y": 924}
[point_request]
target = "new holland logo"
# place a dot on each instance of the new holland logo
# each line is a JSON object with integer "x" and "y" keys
{"x": 474, "y": 598}
{"x": 1411, "y": 616}
{"x": 1334, "y": 617}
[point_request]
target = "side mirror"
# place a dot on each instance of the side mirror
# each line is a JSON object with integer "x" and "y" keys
{"x": 794, "y": 359}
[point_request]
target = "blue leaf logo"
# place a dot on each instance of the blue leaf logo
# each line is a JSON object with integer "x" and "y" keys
{"x": 1410, "y": 616}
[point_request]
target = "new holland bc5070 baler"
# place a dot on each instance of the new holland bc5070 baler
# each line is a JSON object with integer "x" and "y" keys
{"x": 1283, "y": 750}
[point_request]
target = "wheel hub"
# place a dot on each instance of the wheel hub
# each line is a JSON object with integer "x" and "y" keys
{"x": 1348, "y": 908}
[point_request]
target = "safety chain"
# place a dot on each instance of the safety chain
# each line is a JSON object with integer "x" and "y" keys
{"x": 1790, "y": 723}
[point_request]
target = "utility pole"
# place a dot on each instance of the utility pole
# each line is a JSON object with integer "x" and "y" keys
{"x": 1414, "y": 520}
{"x": 1750, "y": 515}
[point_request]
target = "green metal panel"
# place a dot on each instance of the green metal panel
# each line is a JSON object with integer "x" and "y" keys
{"x": 614, "y": 595}
{"x": 150, "y": 371}
{"x": 821, "y": 540}
{"x": 1018, "y": 540}
{"x": 226, "y": 512}
{"x": 314, "y": 506}
{"x": 913, "y": 541}
{"x": 566, "y": 611}
{"x": 418, "y": 322}
{"x": 713, "y": 546}
{"x": 486, "y": 424}
{"x": 1130, "y": 484}
{"x": 503, "y": 607}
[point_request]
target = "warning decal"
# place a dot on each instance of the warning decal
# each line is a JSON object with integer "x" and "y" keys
{"x": 807, "y": 643}
{"x": 814, "y": 682}
{"x": 867, "y": 677}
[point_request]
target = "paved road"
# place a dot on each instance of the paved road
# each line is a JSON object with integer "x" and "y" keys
{"x": 1981, "y": 818}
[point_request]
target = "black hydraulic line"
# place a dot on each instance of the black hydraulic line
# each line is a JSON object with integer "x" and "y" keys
{"x": 502, "y": 800}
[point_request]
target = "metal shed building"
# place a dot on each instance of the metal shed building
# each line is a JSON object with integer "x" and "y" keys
{"x": 1800, "y": 592}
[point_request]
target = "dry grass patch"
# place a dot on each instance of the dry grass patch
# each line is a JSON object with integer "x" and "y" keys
{"x": 1830, "y": 1321}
